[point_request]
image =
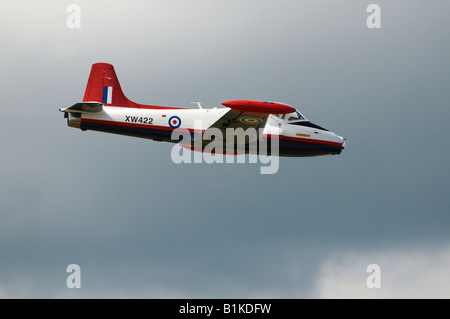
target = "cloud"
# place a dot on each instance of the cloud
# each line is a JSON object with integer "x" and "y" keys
{"x": 412, "y": 273}
{"x": 140, "y": 225}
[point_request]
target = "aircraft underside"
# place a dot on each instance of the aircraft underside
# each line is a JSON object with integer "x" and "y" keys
{"x": 286, "y": 146}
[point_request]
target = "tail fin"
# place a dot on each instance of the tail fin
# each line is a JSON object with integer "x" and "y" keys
{"x": 103, "y": 87}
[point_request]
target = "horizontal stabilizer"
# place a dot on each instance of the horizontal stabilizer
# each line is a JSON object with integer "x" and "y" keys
{"x": 84, "y": 107}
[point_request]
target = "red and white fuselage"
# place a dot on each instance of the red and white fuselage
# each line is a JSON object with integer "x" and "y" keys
{"x": 105, "y": 108}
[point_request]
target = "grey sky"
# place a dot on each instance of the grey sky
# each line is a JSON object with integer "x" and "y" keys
{"x": 141, "y": 226}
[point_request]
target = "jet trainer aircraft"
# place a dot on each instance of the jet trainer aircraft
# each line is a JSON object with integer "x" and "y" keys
{"x": 105, "y": 108}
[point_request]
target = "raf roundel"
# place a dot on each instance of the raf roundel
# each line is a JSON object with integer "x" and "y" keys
{"x": 250, "y": 120}
{"x": 174, "y": 122}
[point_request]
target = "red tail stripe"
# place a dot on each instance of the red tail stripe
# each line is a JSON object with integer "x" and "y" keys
{"x": 103, "y": 75}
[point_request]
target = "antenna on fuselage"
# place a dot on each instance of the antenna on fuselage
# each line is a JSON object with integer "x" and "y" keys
{"x": 199, "y": 104}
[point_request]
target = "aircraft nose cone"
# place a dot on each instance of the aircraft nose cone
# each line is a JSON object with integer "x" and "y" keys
{"x": 343, "y": 142}
{"x": 339, "y": 144}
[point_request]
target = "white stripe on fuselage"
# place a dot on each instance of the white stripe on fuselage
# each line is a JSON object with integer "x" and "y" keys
{"x": 160, "y": 117}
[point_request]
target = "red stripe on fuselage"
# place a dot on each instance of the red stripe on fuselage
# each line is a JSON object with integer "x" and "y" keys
{"x": 304, "y": 140}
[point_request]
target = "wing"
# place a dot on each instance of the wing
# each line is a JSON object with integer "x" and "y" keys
{"x": 239, "y": 127}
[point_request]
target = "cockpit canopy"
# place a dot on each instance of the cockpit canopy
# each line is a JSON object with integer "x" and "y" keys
{"x": 292, "y": 117}
{"x": 296, "y": 118}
